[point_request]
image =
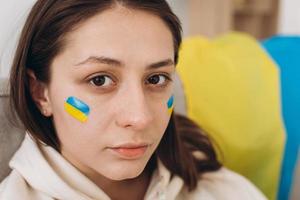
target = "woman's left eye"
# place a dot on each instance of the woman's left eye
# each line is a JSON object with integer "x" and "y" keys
{"x": 158, "y": 79}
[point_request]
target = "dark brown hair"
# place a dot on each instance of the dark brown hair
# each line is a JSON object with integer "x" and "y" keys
{"x": 43, "y": 38}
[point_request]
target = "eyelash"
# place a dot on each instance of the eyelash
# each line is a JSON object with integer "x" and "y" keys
{"x": 90, "y": 80}
{"x": 167, "y": 77}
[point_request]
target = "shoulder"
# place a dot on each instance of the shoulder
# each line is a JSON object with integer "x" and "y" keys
{"x": 224, "y": 184}
{"x": 15, "y": 187}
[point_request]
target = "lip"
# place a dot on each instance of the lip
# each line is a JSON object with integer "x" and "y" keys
{"x": 130, "y": 145}
{"x": 130, "y": 151}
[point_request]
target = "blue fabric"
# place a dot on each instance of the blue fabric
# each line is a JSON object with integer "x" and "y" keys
{"x": 285, "y": 50}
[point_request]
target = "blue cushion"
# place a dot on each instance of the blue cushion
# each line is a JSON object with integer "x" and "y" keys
{"x": 285, "y": 50}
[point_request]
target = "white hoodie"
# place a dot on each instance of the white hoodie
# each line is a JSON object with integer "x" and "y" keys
{"x": 41, "y": 173}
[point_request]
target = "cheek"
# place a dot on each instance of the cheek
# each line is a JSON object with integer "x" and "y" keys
{"x": 83, "y": 134}
{"x": 163, "y": 113}
{"x": 75, "y": 128}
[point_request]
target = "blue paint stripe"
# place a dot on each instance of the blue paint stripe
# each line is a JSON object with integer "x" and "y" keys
{"x": 78, "y": 104}
{"x": 170, "y": 102}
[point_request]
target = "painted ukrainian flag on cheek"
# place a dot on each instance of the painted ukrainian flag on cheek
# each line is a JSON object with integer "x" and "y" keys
{"x": 170, "y": 105}
{"x": 77, "y": 109}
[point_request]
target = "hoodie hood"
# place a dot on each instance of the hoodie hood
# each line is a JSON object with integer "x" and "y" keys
{"x": 47, "y": 171}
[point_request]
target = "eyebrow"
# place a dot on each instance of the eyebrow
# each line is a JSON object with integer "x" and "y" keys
{"x": 118, "y": 63}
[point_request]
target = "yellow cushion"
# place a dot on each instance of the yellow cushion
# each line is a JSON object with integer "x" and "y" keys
{"x": 232, "y": 92}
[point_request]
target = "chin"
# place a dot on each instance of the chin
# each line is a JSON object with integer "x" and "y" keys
{"x": 125, "y": 171}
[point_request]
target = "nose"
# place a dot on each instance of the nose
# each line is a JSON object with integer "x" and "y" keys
{"x": 134, "y": 111}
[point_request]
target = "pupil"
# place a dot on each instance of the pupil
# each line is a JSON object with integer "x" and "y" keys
{"x": 154, "y": 79}
{"x": 99, "y": 80}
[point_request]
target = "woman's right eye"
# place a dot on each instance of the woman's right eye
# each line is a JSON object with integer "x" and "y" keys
{"x": 101, "y": 81}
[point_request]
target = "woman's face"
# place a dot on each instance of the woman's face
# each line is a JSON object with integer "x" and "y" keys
{"x": 118, "y": 63}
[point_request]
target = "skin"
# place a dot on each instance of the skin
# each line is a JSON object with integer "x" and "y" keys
{"x": 128, "y": 107}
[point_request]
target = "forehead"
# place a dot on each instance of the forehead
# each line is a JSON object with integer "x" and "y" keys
{"x": 122, "y": 33}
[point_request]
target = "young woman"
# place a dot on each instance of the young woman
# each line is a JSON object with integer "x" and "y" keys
{"x": 91, "y": 82}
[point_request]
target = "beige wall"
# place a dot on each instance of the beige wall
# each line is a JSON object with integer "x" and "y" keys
{"x": 289, "y": 17}
{"x": 12, "y": 17}
{"x": 215, "y": 17}
{"x": 209, "y": 17}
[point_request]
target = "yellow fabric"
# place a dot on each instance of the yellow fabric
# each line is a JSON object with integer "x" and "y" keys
{"x": 232, "y": 92}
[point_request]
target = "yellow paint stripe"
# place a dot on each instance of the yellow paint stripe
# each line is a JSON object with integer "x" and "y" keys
{"x": 170, "y": 110}
{"x": 75, "y": 113}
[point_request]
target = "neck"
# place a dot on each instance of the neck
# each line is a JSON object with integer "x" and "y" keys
{"x": 133, "y": 189}
{"x": 126, "y": 189}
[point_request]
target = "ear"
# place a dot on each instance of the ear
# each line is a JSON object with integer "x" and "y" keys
{"x": 40, "y": 94}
